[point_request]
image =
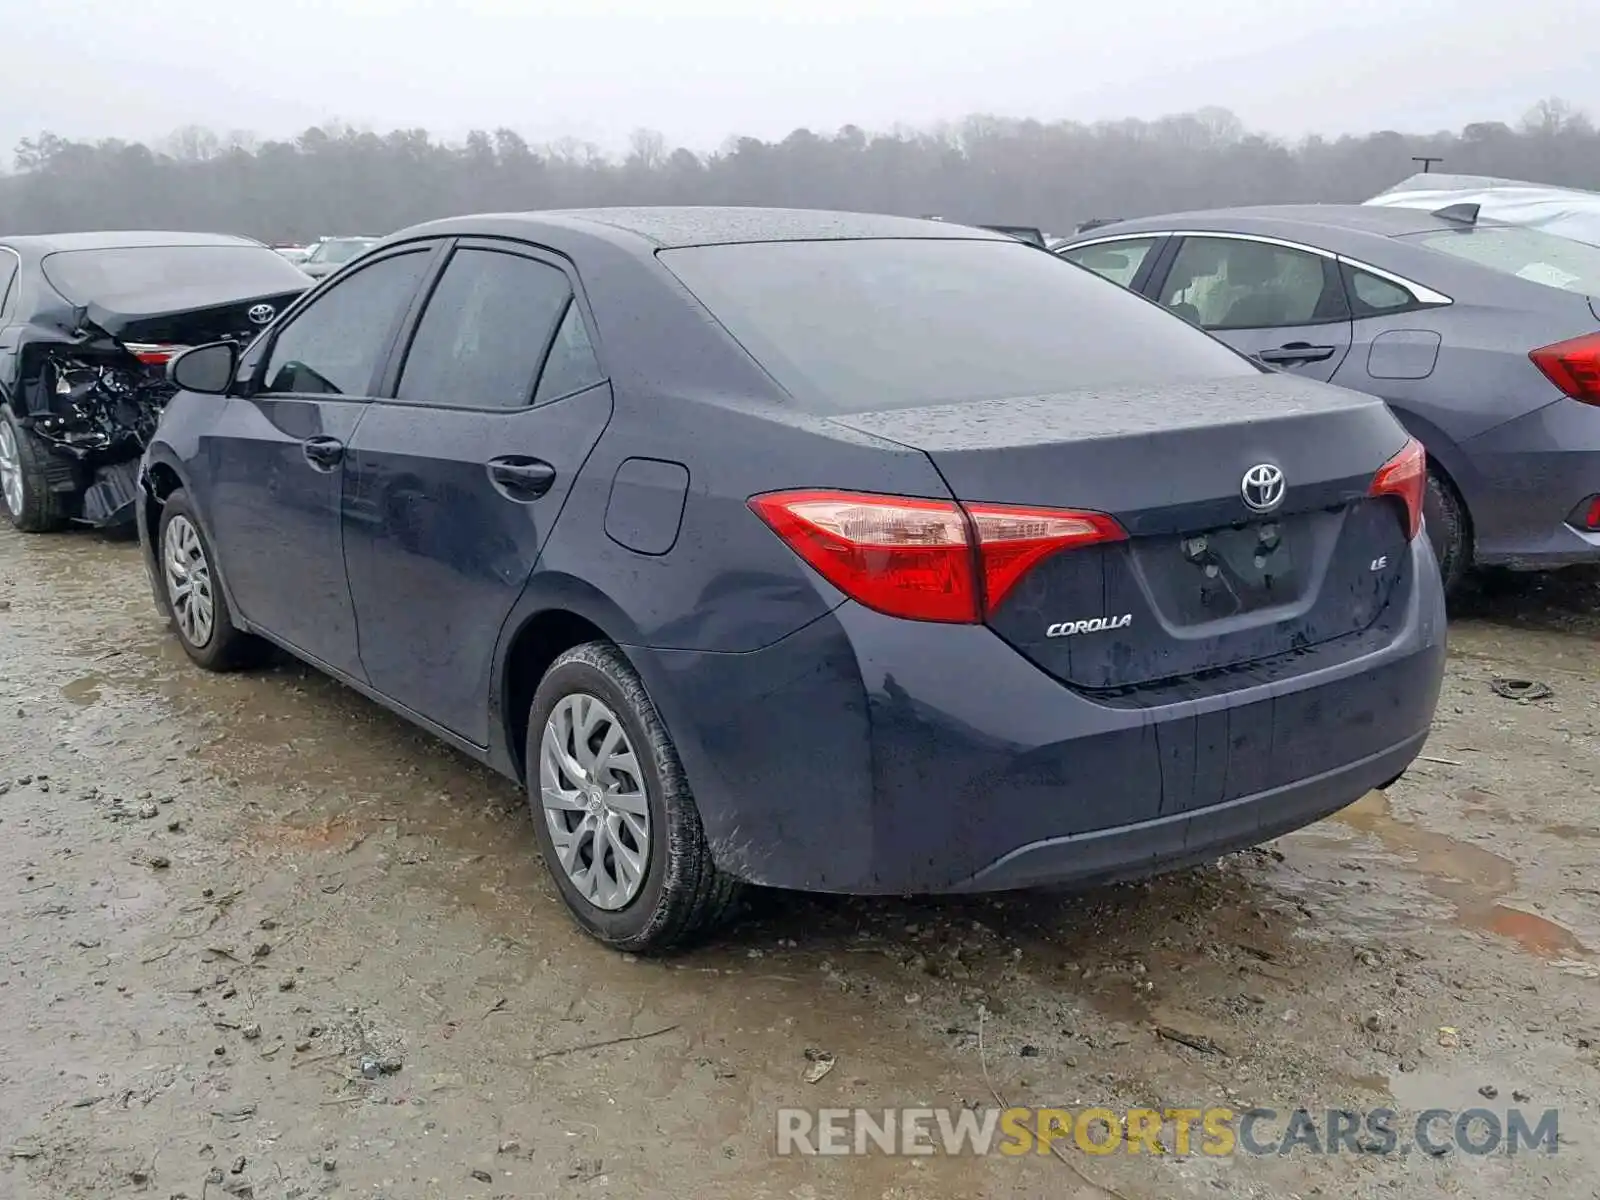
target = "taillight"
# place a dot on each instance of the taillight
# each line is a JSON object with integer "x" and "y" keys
{"x": 1573, "y": 366}
{"x": 154, "y": 354}
{"x": 1405, "y": 476}
{"x": 925, "y": 560}
{"x": 1587, "y": 515}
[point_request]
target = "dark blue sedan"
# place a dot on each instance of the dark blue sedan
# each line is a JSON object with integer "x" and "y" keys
{"x": 822, "y": 551}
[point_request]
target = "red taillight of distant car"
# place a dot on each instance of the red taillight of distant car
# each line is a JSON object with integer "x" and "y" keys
{"x": 1405, "y": 476}
{"x": 1573, "y": 366}
{"x": 925, "y": 560}
{"x": 154, "y": 354}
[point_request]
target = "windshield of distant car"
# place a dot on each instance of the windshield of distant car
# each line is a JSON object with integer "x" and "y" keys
{"x": 339, "y": 250}
{"x": 853, "y": 326}
{"x": 1529, "y": 254}
{"x": 129, "y": 272}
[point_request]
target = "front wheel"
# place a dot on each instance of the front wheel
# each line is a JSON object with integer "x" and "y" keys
{"x": 612, "y": 811}
{"x": 25, "y": 491}
{"x": 190, "y": 590}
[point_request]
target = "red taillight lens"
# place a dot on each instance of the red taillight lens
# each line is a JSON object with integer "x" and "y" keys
{"x": 1012, "y": 541}
{"x": 154, "y": 354}
{"x": 1573, "y": 366}
{"x": 1405, "y": 476}
{"x": 925, "y": 560}
{"x": 1587, "y": 515}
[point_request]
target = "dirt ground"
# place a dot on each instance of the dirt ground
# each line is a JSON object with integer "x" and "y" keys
{"x": 262, "y": 938}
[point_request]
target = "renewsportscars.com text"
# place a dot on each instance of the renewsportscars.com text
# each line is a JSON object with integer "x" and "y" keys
{"x": 1213, "y": 1131}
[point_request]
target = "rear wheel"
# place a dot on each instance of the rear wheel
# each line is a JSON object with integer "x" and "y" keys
{"x": 1448, "y": 529}
{"x": 24, "y": 482}
{"x": 191, "y": 592}
{"x": 612, "y": 810}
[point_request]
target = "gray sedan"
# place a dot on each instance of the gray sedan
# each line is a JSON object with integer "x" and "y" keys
{"x": 1483, "y": 338}
{"x": 328, "y": 255}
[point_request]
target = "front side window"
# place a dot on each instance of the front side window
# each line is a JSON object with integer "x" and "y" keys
{"x": 1116, "y": 261}
{"x": 337, "y": 343}
{"x": 485, "y": 331}
{"x": 1230, "y": 283}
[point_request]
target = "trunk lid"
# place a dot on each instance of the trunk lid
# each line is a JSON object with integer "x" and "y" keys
{"x": 176, "y": 324}
{"x": 1202, "y": 583}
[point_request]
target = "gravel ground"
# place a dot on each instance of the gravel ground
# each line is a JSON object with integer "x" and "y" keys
{"x": 261, "y": 938}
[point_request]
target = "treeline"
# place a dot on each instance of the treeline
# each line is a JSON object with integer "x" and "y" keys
{"x": 336, "y": 178}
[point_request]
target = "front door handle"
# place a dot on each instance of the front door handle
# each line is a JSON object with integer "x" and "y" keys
{"x": 1296, "y": 352}
{"x": 521, "y": 479}
{"x": 323, "y": 453}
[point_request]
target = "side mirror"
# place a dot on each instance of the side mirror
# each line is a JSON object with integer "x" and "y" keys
{"x": 205, "y": 369}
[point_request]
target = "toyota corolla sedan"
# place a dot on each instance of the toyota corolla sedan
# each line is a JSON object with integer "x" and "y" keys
{"x": 1484, "y": 337}
{"x": 842, "y": 553}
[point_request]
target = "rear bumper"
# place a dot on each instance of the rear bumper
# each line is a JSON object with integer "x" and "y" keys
{"x": 867, "y": 755}
{"x": 1531, "y": 473}
{"x": 1187, "y": 839}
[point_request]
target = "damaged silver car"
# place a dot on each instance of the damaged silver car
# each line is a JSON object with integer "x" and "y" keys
{"x": 88, "y": 322}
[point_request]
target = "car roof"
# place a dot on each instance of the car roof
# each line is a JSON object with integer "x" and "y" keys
{"x": 671, "y": 227}
{"x": 120, "y": 239}
{"x": 1284, "y": 218}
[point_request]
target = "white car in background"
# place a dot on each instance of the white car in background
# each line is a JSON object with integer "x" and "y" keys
{"x": 1567, "y": 212}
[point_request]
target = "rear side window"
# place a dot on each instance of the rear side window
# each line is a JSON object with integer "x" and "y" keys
{"x": 1529, "y": 254}
{"x": 863, "y": 325}
{"x": 1116, "y": 261}
{"x": 1232, "y": 283}
{"x": 8, "y": 282}
{"x": 571, "y": 365}
{"x": 335, "y": 345}
{"x": 1371, "y": 296}
{"x": 485, "y": 331}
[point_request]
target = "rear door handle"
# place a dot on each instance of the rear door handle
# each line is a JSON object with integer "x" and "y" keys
{"x": 323, "y": 453}
{"x": 521, "y": 479}
{"x": 1296, "y": 352}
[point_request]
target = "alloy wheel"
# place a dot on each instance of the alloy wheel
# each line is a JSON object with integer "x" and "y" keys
{"x": 10, "y": 470}
{"x": 188, "y": 577}
{"x": 592, "y": 794}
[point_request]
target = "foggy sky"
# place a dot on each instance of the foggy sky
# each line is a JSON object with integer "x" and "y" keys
{"x": 699, "y": 70}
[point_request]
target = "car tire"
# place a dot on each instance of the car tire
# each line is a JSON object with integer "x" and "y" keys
{"x": 591, "y": 699}
{"x": 25, "y": 492}
{"x": 1445, "y": 518}
{"x": 190, "y": 592}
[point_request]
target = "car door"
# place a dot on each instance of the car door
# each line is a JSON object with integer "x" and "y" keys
{"x": 1279, "y": 303}
{"x": 455, "y": 480}
{"x": 274, "y": 466}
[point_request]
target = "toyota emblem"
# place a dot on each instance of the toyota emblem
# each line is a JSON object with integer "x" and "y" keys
{"x": 260, "y": 314}
{"x": 1262, "y": 488}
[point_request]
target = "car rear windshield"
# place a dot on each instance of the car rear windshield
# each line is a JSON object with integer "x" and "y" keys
{"x": 854, "y": 326}
{"x": 1529, "y": 254}
{"x": 129, "y": 272}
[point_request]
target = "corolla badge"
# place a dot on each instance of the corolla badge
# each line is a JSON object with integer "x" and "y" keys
{"x": 260, "y": 314}
{"x": 1092, "y": 625}
{"x": 1262, "y": 488}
